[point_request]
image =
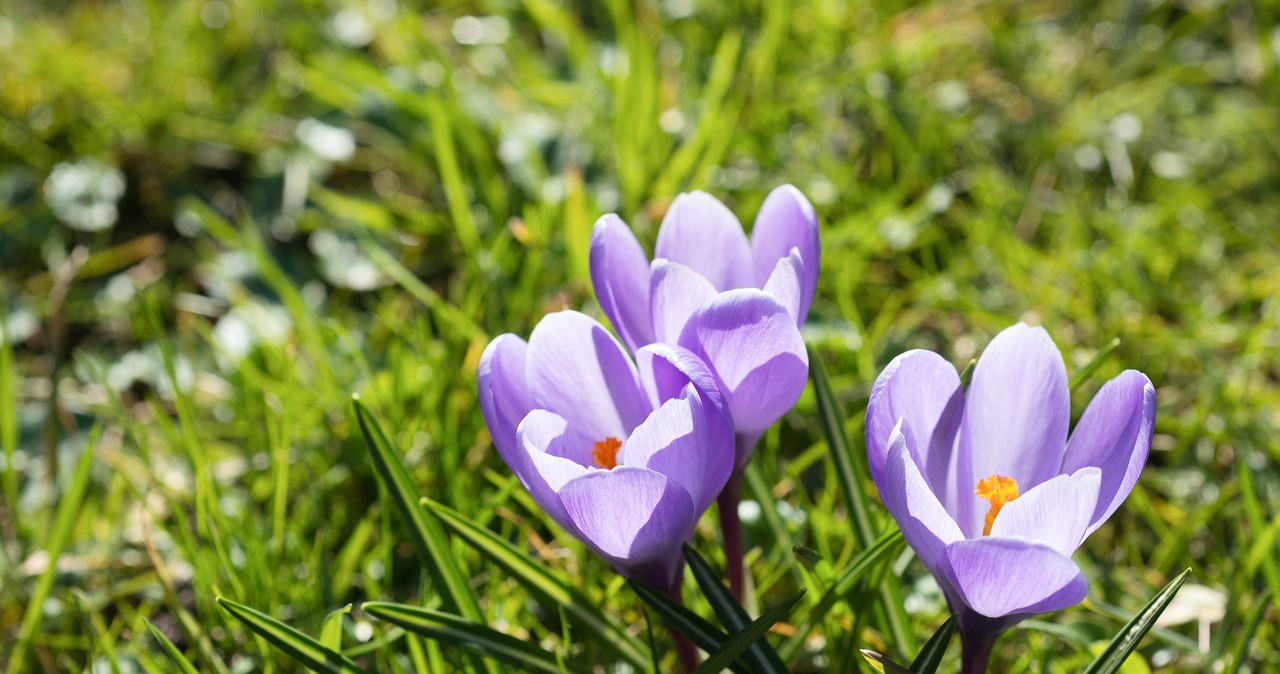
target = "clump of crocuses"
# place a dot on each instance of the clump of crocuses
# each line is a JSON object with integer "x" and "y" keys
{"x": 624, "y": 455}
{"x": 737, "y": 304}
{"x": 985, "y": 484}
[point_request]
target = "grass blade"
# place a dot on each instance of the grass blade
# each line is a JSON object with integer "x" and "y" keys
{"x": 703, "y": 634}
{"x": 1251, "y": 624}
{"x": 852, "y": 478}
{"x": 540, "y": 580}
{"x": 1082, "y": 375}
{"x": 63, "y": 524}
{"x": 456, "y": 631}
{"x": 760, "y": 657}
{"x": 302, "y": 648}
{"x": 866, "y": 561}
{"x": 931, "y": 655}
{"x": 425, "y": 530}
{"x": 1126, "y": 640}
{"x": 749, "y": 637}
{"x": 172, "y": 651}
{"x": 331, "y": 628}
{"x": 882, "y": 664}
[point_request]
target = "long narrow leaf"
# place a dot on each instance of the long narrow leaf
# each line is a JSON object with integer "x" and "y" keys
{"x": 425, "y": 530}
{"x": 852, "y": 478}
{"x": 703, "y": 634}
{"x": 456, "y": 631}
{"x": 1126, "y": 640}
{"x": 539, "y": 579}
{"x": 1250, "y": 628}
{"x": 760, "y": 657}
{"x": 179, "y": 660}
{"x": 866, "y": 561}
{"x": 307, "y": 651}
{"x": 882, "y": 664}
{"x": 740, "y": 641}
{"x": 931, "y": 655}
{"x": 331, "y": 628}
{"x": 1082, "y": 375}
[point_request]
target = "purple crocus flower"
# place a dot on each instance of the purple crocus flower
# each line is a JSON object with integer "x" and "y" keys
{"x": 986, "y": 486}
{"x": 737, "y": 304}
{"x": 625, "y": 456}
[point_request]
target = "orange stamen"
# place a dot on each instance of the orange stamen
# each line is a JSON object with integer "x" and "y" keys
{"x": 997, "y": 490}
{"x": 605, "y": 452}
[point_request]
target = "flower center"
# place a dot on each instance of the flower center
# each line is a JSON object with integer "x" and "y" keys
{"x": 997, "y": 490}
{"x": 605, "y": 453}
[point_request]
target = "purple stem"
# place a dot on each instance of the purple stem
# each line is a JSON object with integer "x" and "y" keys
{"x": 685, "y": 650}
{"x": 731, "y": 530}
{"x": 975, "y": 652}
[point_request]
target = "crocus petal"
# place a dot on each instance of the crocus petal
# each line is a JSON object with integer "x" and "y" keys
{"x": 578, "y": 370}
{"x": 504, "y": 394}
{"x": 1016, "y": 414}
{"x": 1115, "y": 435}
{"x": 550, "y": 456}
{"x": 630, "y": 516}
{"x": 923, "y": 388}
{"x": 700, "y": 233}
{"x": 784, "y": 284}
{"x": 1004, "y": 576}
{"x": 675, "y": 293}
{"x": 925, "y": 524}
{"x": 786, "y": 220}
{"x": 620, "y": 276}
{"x": 1057, "y": 512}
{"x": 673, "y": 441}
{"x": 756, "y": 353}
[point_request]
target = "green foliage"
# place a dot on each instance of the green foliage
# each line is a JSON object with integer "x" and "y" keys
{"x": 1106, "y": 169}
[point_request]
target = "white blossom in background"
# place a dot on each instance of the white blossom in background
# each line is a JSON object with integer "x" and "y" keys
{"x": 83, "y": 194}
{"x": 344, "y": 264}
{"x": 1201, "y": 604}
{"x": 330, "y": 143}
{"x": 247, "y": 325}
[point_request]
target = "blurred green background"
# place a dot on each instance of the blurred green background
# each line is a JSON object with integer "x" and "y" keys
{"x": 220, "y": 218}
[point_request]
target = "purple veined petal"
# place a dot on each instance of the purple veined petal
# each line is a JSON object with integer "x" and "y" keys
{"x": 552, "y": 454}
{"x": 676, "y": 441}
{"x": 1055, "y": 513}
{"x": 999, "y": 577}
{"x": 923, "y": 388}
{"x": 620, "y": 276}
{"x": 1114, "y": 434}
{"x": 756, "y": 353}
{"x": 700, "y": 233}
{"x": 631, "y": 516}
{"x": 675, "y": 293}
{"x": 1017, "y": 410}
{"x": 926, "y": 525}
{"x": 504, "y": 393}
{"x": 784, "y": 284}
{"x": 786, "y": 220}
{"x": 577, "y": 369}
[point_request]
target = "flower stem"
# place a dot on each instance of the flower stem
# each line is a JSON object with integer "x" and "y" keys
{"x": 975, "y": 653}
{"x": 731, "y": 530}
{"x": 685, "y": 650}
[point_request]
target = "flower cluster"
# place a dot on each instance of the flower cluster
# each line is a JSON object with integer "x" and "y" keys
{"x": 625, "y": 443}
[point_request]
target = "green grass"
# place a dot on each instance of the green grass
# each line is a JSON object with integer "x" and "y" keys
{"x": 1105, "y": 169}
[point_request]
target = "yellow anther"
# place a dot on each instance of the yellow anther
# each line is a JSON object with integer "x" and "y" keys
{"x": 997, "y": 490}
{"x": 605, "y": 452}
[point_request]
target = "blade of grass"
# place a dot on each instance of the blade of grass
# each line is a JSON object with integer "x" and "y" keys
{"x": 63, "y": 524}
{"x": 852, "y": 478}
{"x": 179, "y": 660}
{"x": 931, "y": 655}
{"x": 1127, "y": 639}
{"x": 866, "y": 561}
{"x": 1082, "y": 375}
{"x": 456, "y": 631}
{"x": 760, "y": 657}
{"x": 540, "y": 580}
{"x": 703, "y": 634}
{"x": 882, "y": 664}
{"x": 749, "y": 637}
{"x": 423, "y": 529}
{"x": 1251, "y": 623}
{"x": 295, "y": 644}
{"x": 331, "y": 628}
